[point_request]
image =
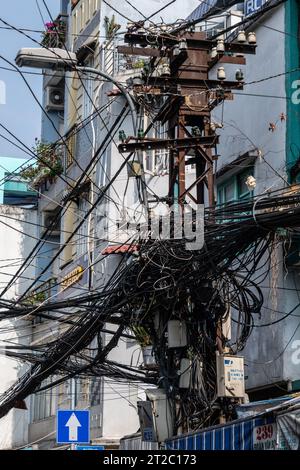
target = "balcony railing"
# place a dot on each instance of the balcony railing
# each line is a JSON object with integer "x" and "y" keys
{"x": 114, "y": 63}
{"x": 55, "y": 34}
{"x": 43, "y": 293}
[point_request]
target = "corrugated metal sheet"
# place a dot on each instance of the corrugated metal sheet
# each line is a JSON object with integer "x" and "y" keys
{"x": 135, "y": 442}
{"x": 208, "y": 7}
{"x": 237, "y": 436}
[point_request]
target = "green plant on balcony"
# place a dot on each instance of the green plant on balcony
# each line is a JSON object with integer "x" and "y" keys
{"x": 49, "y": 164}
{"x": 138, "y": 64}
{"x": 111, "y": 27}
{"x": 35, "y": 298}
{"x": 55, "y": 34}
{"x": 142, "y": 336}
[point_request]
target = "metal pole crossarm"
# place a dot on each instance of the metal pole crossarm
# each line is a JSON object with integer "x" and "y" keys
{"x": 174, "y": 144}
{"x": 164, "y": 82}
{"x": 140, "y": 51}
{"x": 194, "y": 41}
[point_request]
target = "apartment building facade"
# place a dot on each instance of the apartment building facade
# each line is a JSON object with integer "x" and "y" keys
{"x": 260, "y": 139}
{"x": 84, "y": 117}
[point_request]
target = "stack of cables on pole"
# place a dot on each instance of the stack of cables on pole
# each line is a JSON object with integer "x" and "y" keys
{"x": 164, "y": 281}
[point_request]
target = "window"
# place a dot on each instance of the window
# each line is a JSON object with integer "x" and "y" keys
{"x": 95, "y": 6}
{"x": 43, "y": 403}
{"x": 157, "y": 160}
{"x": 82, "y": 239}
{"x": 235, "y": 188}
{"x": 81, "y": 17}
{"x": 74, "y": 23}
{"x": 95, "y": 391}
{"x": 67, "y": 229}
{"x": 82, "y": 13}
{"x": 226, "y": 193}
{"x": 88, "y": 9}
{"x": 88, "y": 91}
{"x": 70, "y": 150}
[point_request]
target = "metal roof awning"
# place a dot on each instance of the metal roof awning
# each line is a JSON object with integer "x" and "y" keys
{"x": 87, "y": 48}
{"x": 234, "y": 166}
{"x": 120, "y": 249}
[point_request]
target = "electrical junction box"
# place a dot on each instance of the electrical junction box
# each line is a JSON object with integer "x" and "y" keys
{"x": 230, "y": 376}
{"x": 177, "y": 337}
{"x": 226, "y": 327}
{"x": 156, "y": 419}
{"x": 185, "y": 373}
{"x": 190, "y": 374}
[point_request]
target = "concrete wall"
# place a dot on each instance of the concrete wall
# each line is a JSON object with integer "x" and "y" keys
{"x": 15, "y": 244}
{"x": 271, "y": 354}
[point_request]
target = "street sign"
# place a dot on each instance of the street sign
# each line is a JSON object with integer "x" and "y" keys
{"x": 73, "y": 426}
{"x": 90, "y": 448}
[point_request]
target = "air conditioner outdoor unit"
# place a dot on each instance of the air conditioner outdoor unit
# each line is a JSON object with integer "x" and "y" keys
{"x": 55, "y": 99}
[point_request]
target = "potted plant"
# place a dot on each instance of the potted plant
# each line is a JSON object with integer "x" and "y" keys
{"x": 49, "y": 165}
{"x": 111, "y": 27}
{"x": 55, "y": 34}
{"x": 144, "y": 339}
{"x": 35, "y": 298}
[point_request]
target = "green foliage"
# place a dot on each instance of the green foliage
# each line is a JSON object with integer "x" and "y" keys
{"x": 35, "y": 298}
{"x": 142, "y": 336}
{"x": 111, "y": 27}
{"x": 49, "y": 164}
{"x": 55, "y": 35}
{"x": 139, "y": 64}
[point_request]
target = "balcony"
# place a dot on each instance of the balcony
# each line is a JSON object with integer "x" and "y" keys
{"x": 42, "y": 293}
{"x": 49, "y": 166}
{"x": 115, "y": 63}
{"x": 55, "y": 34}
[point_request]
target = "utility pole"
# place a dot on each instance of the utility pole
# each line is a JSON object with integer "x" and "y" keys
{"x": 178, "y": 72}
{"x": 185, "y": 63}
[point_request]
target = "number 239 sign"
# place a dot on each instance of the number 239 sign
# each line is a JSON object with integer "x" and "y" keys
{"x": 265, "y": 437}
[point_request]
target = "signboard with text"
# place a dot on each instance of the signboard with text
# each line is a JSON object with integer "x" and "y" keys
{"x": 252, "y": 6}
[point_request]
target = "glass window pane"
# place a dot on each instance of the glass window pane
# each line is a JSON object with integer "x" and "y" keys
{"x": 243, "y": 190}
{"x": 229, "y": 192}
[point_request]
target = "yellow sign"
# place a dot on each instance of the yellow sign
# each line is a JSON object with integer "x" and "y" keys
{"x": 73, "y": 277}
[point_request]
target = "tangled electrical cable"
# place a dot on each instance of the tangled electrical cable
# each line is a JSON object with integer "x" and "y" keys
{"x": 163, "y": 281}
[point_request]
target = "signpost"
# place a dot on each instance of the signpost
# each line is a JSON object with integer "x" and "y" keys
{"x": 73, "y": 427}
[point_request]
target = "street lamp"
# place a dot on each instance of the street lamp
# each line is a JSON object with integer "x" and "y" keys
{"x": 62, "y": 59}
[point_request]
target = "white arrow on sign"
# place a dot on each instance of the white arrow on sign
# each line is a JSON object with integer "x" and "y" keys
{"x": 73, "y": 424}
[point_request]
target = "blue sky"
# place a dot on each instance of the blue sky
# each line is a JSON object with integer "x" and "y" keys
{"x": 21, "y": 114}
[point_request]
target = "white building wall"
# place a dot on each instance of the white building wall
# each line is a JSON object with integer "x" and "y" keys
{"x": 15, "y": 245}
{"x": 247, "y": 118}
{"x": 272, "y": 352}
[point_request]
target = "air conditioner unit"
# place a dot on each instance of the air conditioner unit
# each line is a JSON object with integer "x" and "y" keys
{"x": 55, "y": 99}
{"x": 190, "y": 374}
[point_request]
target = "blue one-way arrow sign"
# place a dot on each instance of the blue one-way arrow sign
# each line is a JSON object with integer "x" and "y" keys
{"x": 73, "y": 426}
